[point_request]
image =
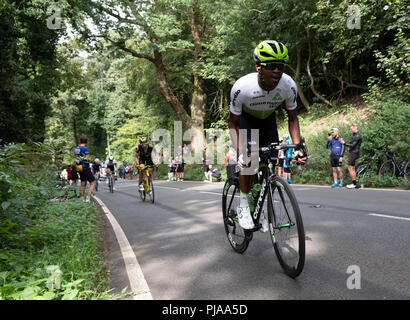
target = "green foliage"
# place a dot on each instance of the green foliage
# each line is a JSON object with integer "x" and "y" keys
{"x": 388, "y": 128}
{"x": 49, "y": 250}
{"x": 28, "y": 73}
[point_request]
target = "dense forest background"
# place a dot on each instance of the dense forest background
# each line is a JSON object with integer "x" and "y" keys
{"x": 114, "y": 69}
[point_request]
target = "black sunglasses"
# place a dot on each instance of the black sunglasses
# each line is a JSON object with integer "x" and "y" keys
{"x": 273, "y": 66}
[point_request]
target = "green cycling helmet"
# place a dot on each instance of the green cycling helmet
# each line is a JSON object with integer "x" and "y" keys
{"x": 270, "y": 51}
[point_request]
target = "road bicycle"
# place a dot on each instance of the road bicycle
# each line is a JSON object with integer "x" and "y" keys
{"x": 283, "y": 214}
{"x": 391, "y": 167}
{"x": 110, "y": 182}
{"x": 147, "y": 183}
{"x": 364, "y": 169}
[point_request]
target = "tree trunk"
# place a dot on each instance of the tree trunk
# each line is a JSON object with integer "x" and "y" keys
{"x": 198, "y": 100}
{"x": 168, "y": 92}
{"x": 312, "y": 82}
{"x": 297, "y": 73}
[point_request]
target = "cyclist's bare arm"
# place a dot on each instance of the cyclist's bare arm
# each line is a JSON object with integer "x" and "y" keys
{"x": 293, "y": 124}
{"x": 294, "y": 130}
{"x": 233, "y": 125}
{"x": 245, "y": 181}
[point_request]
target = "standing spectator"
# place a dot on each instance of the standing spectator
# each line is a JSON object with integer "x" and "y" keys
{"x": 334, "y": 141}
{"x": 207, "y": 161}
{"x": 83, "y": 167}
{"x": 354, "y": 153}
{"x": 287, "y": 159}
{"x": 131, "y": 171}
{"x": 179, "y": 160}
{"x": 72, "y": 175}
{"x": 64, "y": 176}
{"x": 121, "y": 171}
{"x": 231, "y": 157}
{"x": 126, "y": 169}
{"x": 281, "y": 157}
{"x": 171, "y": 169}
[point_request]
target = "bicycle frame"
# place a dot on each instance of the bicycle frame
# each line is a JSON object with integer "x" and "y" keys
{"x": 146, "y": 176}
{"x": 267, "y": 177}
{"x": 398, "y": 165}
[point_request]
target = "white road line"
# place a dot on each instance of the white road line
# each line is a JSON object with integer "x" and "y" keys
{"x": 135, "y": 275}
{"x": 386, "y": 216}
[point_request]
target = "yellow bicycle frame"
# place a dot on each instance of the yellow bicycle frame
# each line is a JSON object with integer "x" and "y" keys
{"x": 147, "y": 173}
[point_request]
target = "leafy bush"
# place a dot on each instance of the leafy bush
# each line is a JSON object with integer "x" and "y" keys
{"x": 49, "y": 250}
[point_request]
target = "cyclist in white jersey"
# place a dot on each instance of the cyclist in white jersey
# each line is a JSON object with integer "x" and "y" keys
{"x": 254, "y": 99}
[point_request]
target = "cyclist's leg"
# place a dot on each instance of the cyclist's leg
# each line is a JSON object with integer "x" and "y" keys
{"x": 268, "y": 134}
{"x": 83, "y": 180}
{"x": 91, "y": 179}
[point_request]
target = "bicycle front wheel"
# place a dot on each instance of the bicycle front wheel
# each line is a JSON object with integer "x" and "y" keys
{"x": 238, "y": 237}
{"x": 151, "y": 191}
{"x": 111, "y": 184}
{"x": 387, "y": 169}
{"x": 142, "y": 193}
{"x": 286, "y": 227}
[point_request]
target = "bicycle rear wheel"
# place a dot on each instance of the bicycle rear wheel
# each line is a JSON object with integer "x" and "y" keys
{"x": 387, "y": 169}
{"x": 111, "y": 184}
{"x": 238, "y": 238}
{"x": 286, "y": 227}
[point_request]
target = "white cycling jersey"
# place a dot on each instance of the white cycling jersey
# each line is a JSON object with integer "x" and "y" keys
{"x": 248, "y": 96}
{"x": 110, "y": 163}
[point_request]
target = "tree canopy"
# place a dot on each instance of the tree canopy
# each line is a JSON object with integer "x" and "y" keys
{"x": 117, "y": 69}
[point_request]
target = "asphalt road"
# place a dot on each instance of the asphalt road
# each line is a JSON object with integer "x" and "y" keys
{"x": 182, "y": 249}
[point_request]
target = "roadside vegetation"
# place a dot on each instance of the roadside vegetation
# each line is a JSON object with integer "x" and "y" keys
{"x": 50, "y": 242}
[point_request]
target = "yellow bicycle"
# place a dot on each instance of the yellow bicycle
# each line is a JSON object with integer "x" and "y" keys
{"x": 147, "y": 183}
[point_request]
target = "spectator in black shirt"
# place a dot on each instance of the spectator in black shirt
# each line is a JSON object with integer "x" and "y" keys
{"x": 354, "y": 153}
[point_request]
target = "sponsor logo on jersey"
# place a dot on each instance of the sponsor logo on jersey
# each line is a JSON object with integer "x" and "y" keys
{"x": 235, "y": 96}
{"x": 277, "y": 97}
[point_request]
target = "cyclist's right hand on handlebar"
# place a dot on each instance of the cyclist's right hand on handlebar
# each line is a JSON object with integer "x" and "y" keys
{"x": 301, "y": 152}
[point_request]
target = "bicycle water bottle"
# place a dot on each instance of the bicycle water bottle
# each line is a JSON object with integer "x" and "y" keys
{"x": 253, "y": 196}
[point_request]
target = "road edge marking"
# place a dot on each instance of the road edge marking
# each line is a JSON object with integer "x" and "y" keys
{"x": 135, "y": 276}
{"x": 387, "y": 216}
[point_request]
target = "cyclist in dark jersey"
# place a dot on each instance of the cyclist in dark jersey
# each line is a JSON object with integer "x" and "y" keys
{"x": 143, "y": 155}
{"x": 96, "y": 167}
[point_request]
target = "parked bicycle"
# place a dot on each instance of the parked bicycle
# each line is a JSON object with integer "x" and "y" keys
{"x": 285, "y": 221}
{"x": 366, "y": 167}
{"x": 392, "y": 167}
{"x": 147, "y": 183}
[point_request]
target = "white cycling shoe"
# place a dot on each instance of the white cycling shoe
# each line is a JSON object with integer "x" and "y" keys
{"x": 245, "y": 218}
{"x": 264, "y": 223}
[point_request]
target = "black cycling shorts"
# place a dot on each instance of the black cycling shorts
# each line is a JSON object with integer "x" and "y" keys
{"x": 146, "y": 161}
{"x": 268, "y": 131}
{"x": 180, "y": 168}
{"x": 353, "y": 156}
{"x": 287, "y": 170}
{"x": 87, "y": 175}
{"x": 281, "y": 161}
{"x": 334, "y": 160}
